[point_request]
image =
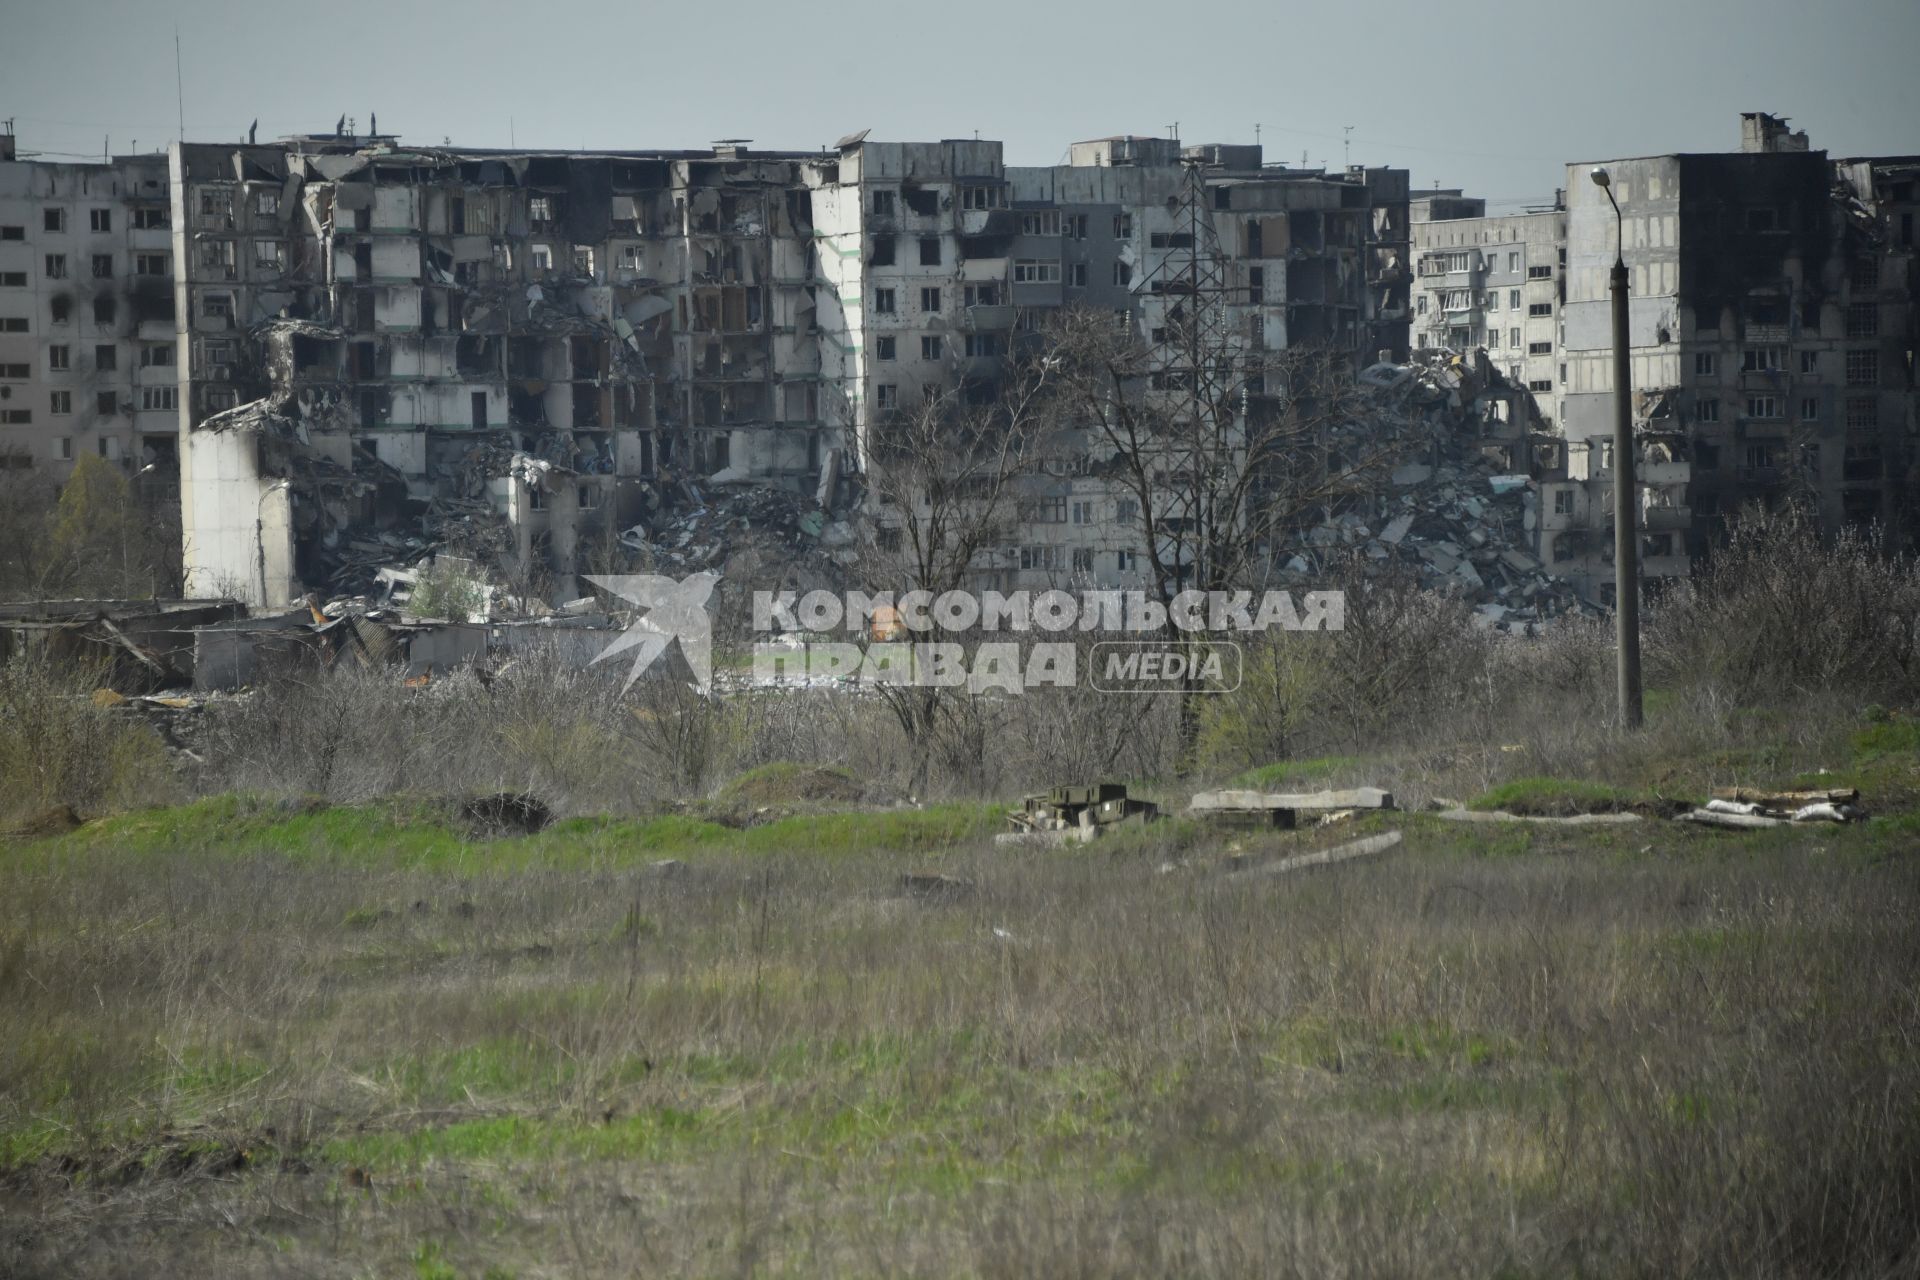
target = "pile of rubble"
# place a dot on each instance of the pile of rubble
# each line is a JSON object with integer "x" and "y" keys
{"x": 748, "y": 534}
{"x": 1462, "y": 512}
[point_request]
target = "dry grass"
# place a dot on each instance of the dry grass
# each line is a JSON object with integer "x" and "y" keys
{"x": 240, "y": 1041}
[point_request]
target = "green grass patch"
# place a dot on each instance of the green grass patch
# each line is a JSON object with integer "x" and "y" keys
{"x": 418, "y": 837}
{"x": 1292, "y": 772}
{"x": 1559, "y": 797}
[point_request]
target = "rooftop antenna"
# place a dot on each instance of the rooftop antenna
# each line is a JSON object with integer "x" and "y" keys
{"x": 1256, "y": 135}
{"x": 1346, "y": 145}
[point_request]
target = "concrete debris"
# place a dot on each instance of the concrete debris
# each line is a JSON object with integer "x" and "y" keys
{"x": 1361, "y": 848}
{"x": 1742, "y": 808}
{"x": 1083, "y": 811}
{"x": 1251, "y": 801}
{"x": 1462, "y": 513}
{"x": 1571, "y": 820}
{"x": 1788, "y": 799}
{"x": 771, "y": 538}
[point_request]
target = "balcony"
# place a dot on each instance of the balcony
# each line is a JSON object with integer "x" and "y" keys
{"x": 1666, "y": 519}
{"x": 988, "y": 319}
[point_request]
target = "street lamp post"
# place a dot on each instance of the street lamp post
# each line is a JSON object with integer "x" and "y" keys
{"x": 1626, "y": 506}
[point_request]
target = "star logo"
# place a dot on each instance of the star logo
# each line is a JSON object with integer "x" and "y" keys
{"x": 674, "y": 611}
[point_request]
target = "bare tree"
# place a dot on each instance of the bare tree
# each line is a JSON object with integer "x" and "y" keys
{"x": 942, "y": 478}
{"x": 1221, "y": 453}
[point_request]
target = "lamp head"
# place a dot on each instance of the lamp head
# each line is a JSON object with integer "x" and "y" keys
{"x": 1601, "y": 178}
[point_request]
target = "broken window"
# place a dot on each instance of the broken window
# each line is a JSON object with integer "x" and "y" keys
{"x": 60, "y": 403}
{"x": 217, "y": 256}
{"x": 540, "y": 210}
{"x": 930, "y": 299}
{"x": 105, "y": 404}
{"x": 930, "y": 346}
{"x": 1077, "y": 275}
{"x": 102, "y": 266}
{"x": 102, "y": 219}
{"x": 1809, "y": 408}
{"x": 883, "y": 348}
{"x": 983, "y": 346}
{"x": 583, "y": 260}
{"x": 151, "y": 218}
{"x": 54, "y": 220}
{"x": 216, "y": 306}
{"x": 542, "y": 257}
{"x": 156, "y": 354}
{"x": 57, "y": 358}
{"x": 216, "y": 203}
{"x": 882, "y": 255}
{"x": 103, "y": 310}
{"x": 1863, "y": 320}
{"x": 1074, "y": 226}
{"x": 1123, "y": 228}
{"x": 56, "y": 266}
{"x": 882, "y": 204}
{"x": 1703, "y": 364}
{"x": 929, "y": 251}
{"x": 270, "y": 255}
{"x": 886, "y": 395}
{"x": 106, "y": 357}
{"x": 921, "y": 200}
{"x": 13, "y": 233}
{"x": 883, "y": 302}
{"x": 1123, "y": 275}
{"x": 1044, "y": 222}
{"x": 1763, "y": 359}
{"x": 1706, "y": 411}
{"x": 159, "y": 398}
{"x": 1863, "y": 413}
{"x": 1863, "y": 368}
{"x": 150, "y": 264}
{"x": 983, "y": 197}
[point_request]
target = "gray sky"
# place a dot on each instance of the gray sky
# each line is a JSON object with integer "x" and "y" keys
{"x": 1492, "y": 96}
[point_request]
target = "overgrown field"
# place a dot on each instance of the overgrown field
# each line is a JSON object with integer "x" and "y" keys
{"x": 265, "y": 1037}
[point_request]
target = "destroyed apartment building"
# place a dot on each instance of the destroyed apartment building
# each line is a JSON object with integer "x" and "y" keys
{"x": 392, "y": 349}
{"x": 548, "y": 358}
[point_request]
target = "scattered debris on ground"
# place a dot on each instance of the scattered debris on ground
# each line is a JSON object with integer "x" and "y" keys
{"x": 1463, "y": 511}
{"x": 1775, "y": 808}
{"x": 1619, "y": 818}
{"x": 1283, "y": 809}
{"x": 1075, "y": 813}
{"x": 1361, "y": 848}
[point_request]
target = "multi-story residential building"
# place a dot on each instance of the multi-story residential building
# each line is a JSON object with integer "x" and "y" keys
{"x": 88, "y": 355}
{"x": 1491, "y": 282}
{"x": 384, "y": 338}
{"x": 1497, "y": 283}
{"x": 1772, "y": 329}
{"x": 936, "y": 254}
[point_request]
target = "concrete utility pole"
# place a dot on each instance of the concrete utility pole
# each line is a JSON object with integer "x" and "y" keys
{"x": 1626, "y": 507}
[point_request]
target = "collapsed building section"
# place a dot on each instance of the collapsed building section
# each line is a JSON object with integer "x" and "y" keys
{"x": 393, "y": 349}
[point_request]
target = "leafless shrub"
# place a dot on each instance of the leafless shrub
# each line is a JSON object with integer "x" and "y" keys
{"x": 58, "y": 748}
{"x": 1783, "y": 611}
